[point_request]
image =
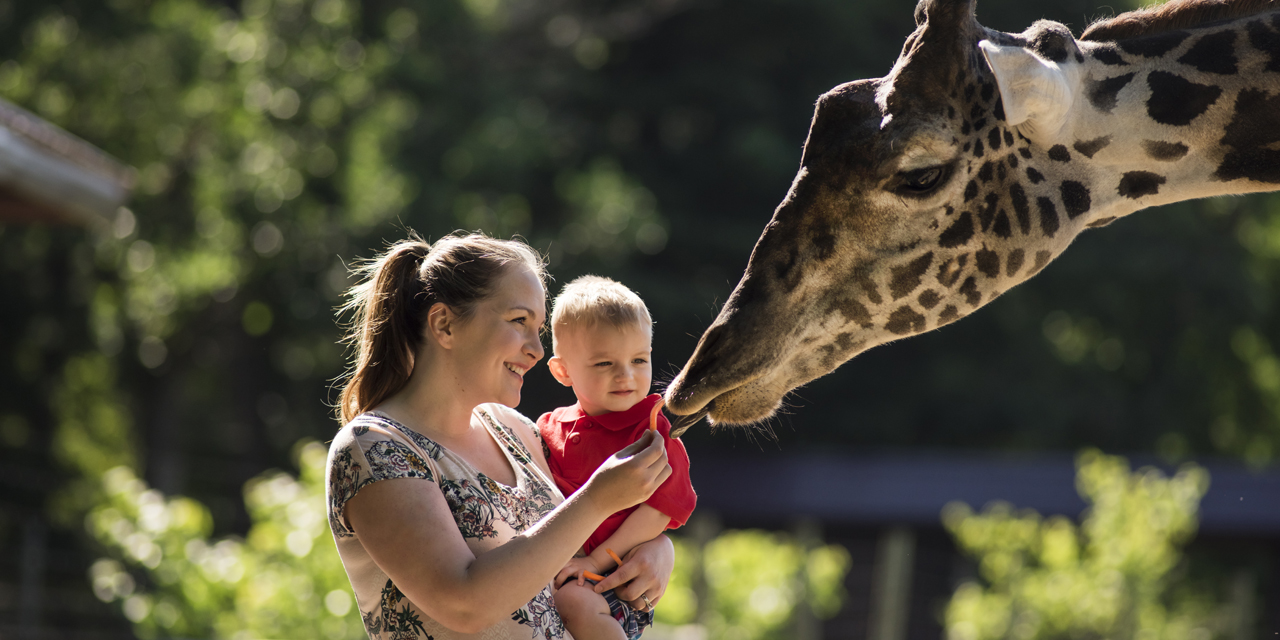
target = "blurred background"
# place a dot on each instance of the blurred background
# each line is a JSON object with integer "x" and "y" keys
{"x": 171, "y": 355}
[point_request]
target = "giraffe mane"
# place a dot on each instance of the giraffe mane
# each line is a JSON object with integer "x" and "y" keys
{"x": 1171, "y": 16}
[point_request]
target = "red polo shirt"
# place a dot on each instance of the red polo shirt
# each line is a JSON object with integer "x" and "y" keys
{"x": 579, "y": 443}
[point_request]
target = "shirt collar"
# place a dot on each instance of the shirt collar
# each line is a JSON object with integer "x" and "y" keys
{"x": 614, "y": 420}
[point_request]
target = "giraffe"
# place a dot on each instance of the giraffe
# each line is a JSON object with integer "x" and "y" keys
{"x": 925, "y": 194}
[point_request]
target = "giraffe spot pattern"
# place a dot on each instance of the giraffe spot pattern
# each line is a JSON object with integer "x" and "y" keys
{"x": 1021, "y": 208}
{"x": 1034, "y": 176}
{"x": 905, "y": 320}
{"x": 1012, "y": 160}
{"x": 977, "y": 149}
{"x": 929, "y": 298}
{"x": 988, "y": 262}
{"x": 904, "y": 279}
{"x": 1164, "y": 151}
{"x": 1025, "y": 152}
{"x": 1266, "y": 41}
{"x": 1014, "y": 262}
{"x": 988, "y": 211}
{"x": 854, "y": 311}
{"x": 1001, "y": 173}
{"x": 949, "y": 272}
{"x": 846, "y": 343}
{"x": 1109, "y": 56}
{"x": 1042, "y": 259}
{"x": 993, "y": 139}
{"x": 868, "y": 287}
{"x": 1075, "y": 198}
{"x": 1102, "y": 94}
{"x": 970, "y": 191}
{"x": 1154, "y": 46}
{"x": 1214, "y": 53}
{"x": 1001, "y": 226}
{"x": 1136, "y": 184}
{"x": 1252, "y": 136}
{"x": 825, "y": 242}
{"x": 1048, "y": 216}
{"x": 1101, "y": 222}
{"x": 1090, "y": 148}
{"x": 1059, "y": 153}
{"x": 986, "y": 172}
{"x": 1177, "y": 101}
{"x": 949, "y": 314}
{"x": 970, "y": 291}
{"x": 1051, "y": 44}
{"x": 958, "y": 233}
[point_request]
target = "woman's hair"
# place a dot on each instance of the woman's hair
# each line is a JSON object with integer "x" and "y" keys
{"x": 398, "y": 287}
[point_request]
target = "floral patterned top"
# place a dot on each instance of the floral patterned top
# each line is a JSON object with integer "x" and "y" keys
{"x": 373, "y": 447}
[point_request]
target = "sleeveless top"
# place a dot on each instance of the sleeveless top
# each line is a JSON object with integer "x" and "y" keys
{"x": 373, "y": 447}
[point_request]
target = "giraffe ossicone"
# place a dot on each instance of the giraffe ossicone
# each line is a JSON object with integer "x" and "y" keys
{"x": 925, "y": 194}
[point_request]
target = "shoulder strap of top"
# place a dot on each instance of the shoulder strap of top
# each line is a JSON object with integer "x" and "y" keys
{"x": 512, "y": 445}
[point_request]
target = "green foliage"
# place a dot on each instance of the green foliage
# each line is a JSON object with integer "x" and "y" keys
{"x": 755, "y": 582}
{"x": 1113, "y": 576}
{"x": 282, "y": 580}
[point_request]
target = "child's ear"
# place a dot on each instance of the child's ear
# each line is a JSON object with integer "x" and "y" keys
{"x": 561, "y": 372}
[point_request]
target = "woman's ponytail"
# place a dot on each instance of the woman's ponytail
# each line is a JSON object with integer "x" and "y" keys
{"x": 389, "y": 306}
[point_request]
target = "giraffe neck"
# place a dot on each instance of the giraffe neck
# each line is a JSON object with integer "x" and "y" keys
{"x": 1175, "y": 116}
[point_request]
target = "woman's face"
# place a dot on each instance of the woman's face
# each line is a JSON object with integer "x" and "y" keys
{"x": 499, "y": 343}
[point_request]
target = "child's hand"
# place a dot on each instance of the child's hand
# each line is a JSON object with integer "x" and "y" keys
{"x": 574, "y": 569}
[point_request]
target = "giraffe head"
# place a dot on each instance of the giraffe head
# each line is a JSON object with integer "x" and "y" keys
{"x": 922, "y": 196}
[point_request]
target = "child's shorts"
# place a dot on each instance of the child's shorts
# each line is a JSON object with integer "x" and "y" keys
{"x": 633, "y": 622}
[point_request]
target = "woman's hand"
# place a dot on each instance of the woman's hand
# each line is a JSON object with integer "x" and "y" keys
{"x": 631, "y": 475}
{"x": 645, "y": 571}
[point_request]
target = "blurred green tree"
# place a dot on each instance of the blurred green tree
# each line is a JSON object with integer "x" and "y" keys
{"x": 284, "y": 579}
{"x": 1115, "y": 575}
{"x": 172, "y": 579}
{"x": 756, "y": 583}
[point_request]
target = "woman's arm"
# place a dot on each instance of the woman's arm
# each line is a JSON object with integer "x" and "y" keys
{"x": 410, "y": 533}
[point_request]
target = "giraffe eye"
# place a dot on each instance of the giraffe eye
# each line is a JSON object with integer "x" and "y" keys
{"x": 919, "y": 182}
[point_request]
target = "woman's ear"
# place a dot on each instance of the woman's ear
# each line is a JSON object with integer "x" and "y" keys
{"x": 561, "y": 372}
{"x": 441, "y": 320}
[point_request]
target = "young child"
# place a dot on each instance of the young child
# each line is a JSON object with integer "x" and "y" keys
{"x": 600, "y": 335}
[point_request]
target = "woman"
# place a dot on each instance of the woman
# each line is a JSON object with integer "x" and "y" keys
{"x": 439, "y": 496}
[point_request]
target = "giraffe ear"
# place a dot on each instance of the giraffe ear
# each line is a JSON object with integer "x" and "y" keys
{"x": 1036, "y": 93}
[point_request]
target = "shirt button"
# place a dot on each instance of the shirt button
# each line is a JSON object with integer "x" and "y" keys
{"x": 575, "y": 438}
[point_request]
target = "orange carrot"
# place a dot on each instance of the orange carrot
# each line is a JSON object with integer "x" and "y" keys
{"x": 653, "y": 416}
{"x": 614, "y": 556}
{"x": 593, "y": 576}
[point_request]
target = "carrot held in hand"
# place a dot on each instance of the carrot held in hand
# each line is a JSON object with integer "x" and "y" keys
{"x": 593, "y": 576}
{"x": 614, "y": 556}
{"x": 653, "y": 418}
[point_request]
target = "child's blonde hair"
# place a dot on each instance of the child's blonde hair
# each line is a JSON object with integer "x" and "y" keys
{"x": 589, "y": 301}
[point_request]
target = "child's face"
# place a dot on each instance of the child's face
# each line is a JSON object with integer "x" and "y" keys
{"x": 608, "y": 367}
